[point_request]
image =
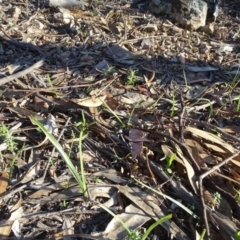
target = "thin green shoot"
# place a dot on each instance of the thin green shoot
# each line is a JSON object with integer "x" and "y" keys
{"x": 185, "y": 77}
{"x": 85, "y": 33}
{"x": 83, "y": 129}
{"x": 169, "y": 198}
{"x": 66, "y": 184}
{"x": 13, "y": 163}
{"x": 73, "y": 136}
{"x": 155, "y": 104}
{"x": 173, "y": 104}
{"x": 158, "y": 222}
{"x": 237, "y": 195}
{"x": 238, "y": 104}
{"x": 233, "y": 84}
{"x": 191, "y": 206}
{"x": 119, "y": 159}
{"x": 216, "y": 111}
{"x": 210, "y": 106}
{"x": 71, "y": 167}
{"x": 97, "y": 180}
{"x": 213, "y": 131}
{"x": 202, "y": 234}
{"x": 129, "y": 119}
{"x": 169, "y": 161}
{"x": 117, "y": 218}
{"x": 51, "y": 161}
{"x": 114, "y": 114}
{"x": 64, "y": 203}
{"x": 51, "y": 84}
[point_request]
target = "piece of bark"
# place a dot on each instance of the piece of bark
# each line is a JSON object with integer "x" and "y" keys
{"x": 69, "y": 4}
{"x": 190, "y": 14}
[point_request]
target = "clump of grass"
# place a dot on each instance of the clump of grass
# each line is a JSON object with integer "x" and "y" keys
{"x": 64, "y": 203}
{"x": 132, "y": 78}
{"x": 108, "y": 71}
{"x": 216, "y": 200}
{"x": 8, "y": 143}
{"x": 7, "y": 139}
{"x": 79, "y": 178}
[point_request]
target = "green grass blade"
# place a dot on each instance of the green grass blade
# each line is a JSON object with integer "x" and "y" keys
{"x": 160, "y": 221}
{"x": 203, "y": 234}
{"x": 116, "y": 217}
{"x": 81, "y": 137}
{"x": 114, "y": 114}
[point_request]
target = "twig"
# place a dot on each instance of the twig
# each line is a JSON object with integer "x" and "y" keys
{"x": 21, "y": 73}
{"x": 225, "y": 224}
{"x": 50, "y": 89}
{"x": 69, "y": 210}
{"x": 201, "y": 188}
{"x": 8, "y": 195}
{"x": 203, "y": 106}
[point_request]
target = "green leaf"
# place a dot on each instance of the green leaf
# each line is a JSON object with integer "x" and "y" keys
{"x": 170, "y": 160}
{"x": 237, "y": 236}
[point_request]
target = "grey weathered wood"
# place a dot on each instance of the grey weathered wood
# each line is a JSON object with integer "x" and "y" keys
{"x": 69, "y": 4}
{"x": 190, "y": 14}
